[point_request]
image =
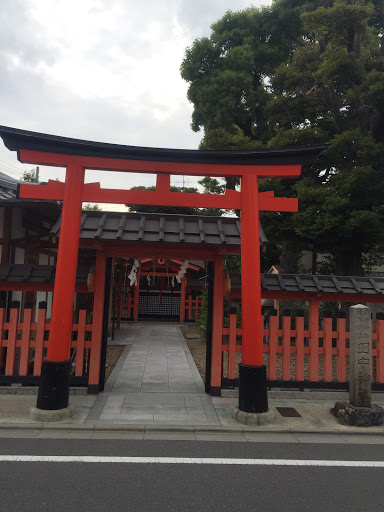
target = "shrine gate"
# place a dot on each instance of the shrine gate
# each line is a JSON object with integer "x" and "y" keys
{"x": 78, "y": 155}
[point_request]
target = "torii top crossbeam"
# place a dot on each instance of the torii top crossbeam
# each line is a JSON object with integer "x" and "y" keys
{"x": 77, "y": 155}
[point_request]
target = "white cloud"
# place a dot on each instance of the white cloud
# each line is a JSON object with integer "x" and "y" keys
{"x": 104, "y": 70}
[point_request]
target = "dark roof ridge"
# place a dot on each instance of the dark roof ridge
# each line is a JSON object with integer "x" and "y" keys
{"x": 16, "y": 139}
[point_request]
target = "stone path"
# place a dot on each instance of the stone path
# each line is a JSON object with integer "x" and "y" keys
{"x": 155, "y": 381}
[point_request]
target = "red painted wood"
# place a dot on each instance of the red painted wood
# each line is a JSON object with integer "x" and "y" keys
{"x": 327, "y": 344}
{"x": 26, "y": 336}
{"x": 314, "y": 340}
{"x": 39, "y": 344}
{"x": 98, "y": 313}
{"x": 299, "y": 360}
{"x": 160, "y": 249}
{"x": 136, "y": 297}
{"x": 341, "y": 350}
{"x": 80, "y": 343}
{"x": 272, "y": 366}
{"x": 92, "y": 192}
{"x": 62, "y": 306}
{"x": 178, "y": 168}
{"x": 232, "y": 347}
{"x": 250, "y": 268}
{"x": 11, "y": 345}
{"x": 163, "y": 183}
{"x": 380, "y": 350}
{"x": 217, "y": 324}
{"x": 286, "y": 363}
{"x": 2, "y": 316}
{"x": 182, "y": 300}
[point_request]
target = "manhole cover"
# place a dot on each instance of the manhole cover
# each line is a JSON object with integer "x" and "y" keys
{"x": 288, "y": 412}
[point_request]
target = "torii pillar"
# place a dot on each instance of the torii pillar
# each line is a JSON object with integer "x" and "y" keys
{"x": 253, "y": 396}
{"x": 55, "y": 371}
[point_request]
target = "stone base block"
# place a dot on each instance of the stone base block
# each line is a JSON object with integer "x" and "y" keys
{"x": 45, "y": 416}
{"x": 350, "y": 415}
{"x": 255, "y": 419}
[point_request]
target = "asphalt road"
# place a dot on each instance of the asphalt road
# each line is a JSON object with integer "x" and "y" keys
{"x": 84, "y": 486}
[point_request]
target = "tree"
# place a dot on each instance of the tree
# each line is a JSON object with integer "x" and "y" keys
{"x": 30, "y": 176}
{"x": 89, "y": 207}
{"x": 301, "y": 73}
{"x": 332, "y": 90}
{"x": 180, "y": 210}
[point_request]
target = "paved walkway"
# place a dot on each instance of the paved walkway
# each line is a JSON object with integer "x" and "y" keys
{"x": 155, "y": 381}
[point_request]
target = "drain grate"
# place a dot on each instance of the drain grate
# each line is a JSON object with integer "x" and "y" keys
{"x": 288, "y": 412}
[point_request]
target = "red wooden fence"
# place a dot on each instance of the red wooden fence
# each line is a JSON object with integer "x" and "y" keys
{"x": 300, "y": 354}
{"x": 23, "y": 343}
{"x": 192, "y": 307}
{"x": 126, "y": 306}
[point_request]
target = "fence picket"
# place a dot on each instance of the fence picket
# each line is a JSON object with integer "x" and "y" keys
{"x": 80, "y": 343}
{"x": 286, "y": 363}
{"x": 25, "y": 340}
{"x": 12, "y": 334}
{"x": 39, "y": 347}
{"x": 272, "y": 345}
{"x": 232, "y": 346}
{"x": 314, "y": 341}
{"x": 327, "y": 344}
{"x": 2, "y": 316}
{"x": 299, "y": 361}
{"x": 341, "y": 348}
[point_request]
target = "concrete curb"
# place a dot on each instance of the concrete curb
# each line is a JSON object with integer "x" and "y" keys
{"x": 201, "y": 429}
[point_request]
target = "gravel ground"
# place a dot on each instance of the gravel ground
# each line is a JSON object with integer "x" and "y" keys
{"x": 113, "y": 355}
{"x": 198, "y": 349}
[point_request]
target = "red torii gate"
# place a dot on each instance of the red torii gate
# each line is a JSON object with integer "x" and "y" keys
{"x": 78, "y": 155}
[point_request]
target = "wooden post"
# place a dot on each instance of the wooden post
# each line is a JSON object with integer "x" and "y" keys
{"x": 97, "y": 324}
{"x": 253, "y": 376}
{"x": 314, "y": 340}
{"x": 55, "y": 372}
{"x": 217, "y": 326}
{"x": 136, "y": 298}
{"x": 299, "y": 361}
{"x": 26, "y": 336}
{"x": 12, "y": 334}
{"x": 182, "y": 300}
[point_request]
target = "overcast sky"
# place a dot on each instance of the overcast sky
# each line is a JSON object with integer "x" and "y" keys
{"x": 104, "y": 70}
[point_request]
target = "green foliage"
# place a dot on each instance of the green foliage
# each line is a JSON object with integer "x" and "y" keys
{"x": 180, "y": 210}
{"x": 203, "y": 312}
{"x": 89, "y": 207}
{"x": 303, "y": 73}
{"x": 30, "y": 176}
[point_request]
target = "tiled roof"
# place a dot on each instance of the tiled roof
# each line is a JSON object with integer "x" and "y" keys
{"x": 317, "y": 284}
{"x": 269, "y": 282}
{"x": 23, "y": 273}
{"x": 152, "y": 227}
{"x": 8, "y": 187}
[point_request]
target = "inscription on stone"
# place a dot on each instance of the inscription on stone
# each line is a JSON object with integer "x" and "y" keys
{"x": 360, "y": 356}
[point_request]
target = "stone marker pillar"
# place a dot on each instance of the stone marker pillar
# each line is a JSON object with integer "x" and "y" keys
{"x": 359, "y": 411}
{"x": 360, "y": 356}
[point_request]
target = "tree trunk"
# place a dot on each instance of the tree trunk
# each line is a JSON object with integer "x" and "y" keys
{"x": 290, "y": 256}
{"x": 350, "y": 263}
